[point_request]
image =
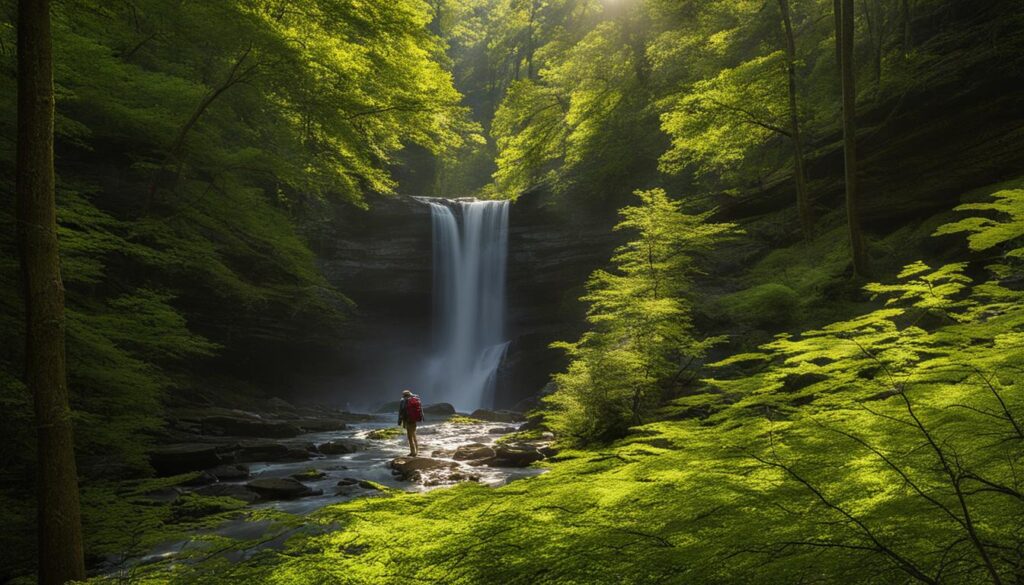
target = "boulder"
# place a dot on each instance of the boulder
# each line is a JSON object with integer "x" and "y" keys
{"x": 229, "y": 490}
{"x": 519, "y": 455}
{"x": 230, "y": 472}
{"x": 453, "y": 477}
{"x": 505, "y": 416}
{"x": 237, "y": 426}
{"x": 319, "y": 425}
{"x": 347, "y": 481}
{"x": 175, "y": 459}
{"x": 204, "y": 478}
{"x": 501, "y": 430}
{"x": 473, "y": 452}
{"x": 438, "y": 409}
{"x": 281, "y": 488}
{"x": 309, "y": 475}
{"x": 249, "y": 451}
{"x": 341, "y": 447}
{"x": 417, "y": 468}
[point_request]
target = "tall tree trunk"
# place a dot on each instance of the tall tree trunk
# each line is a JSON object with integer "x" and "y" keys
{"x": 844, "y": 36}
{"x": 803, "y": 203}
{"x": 60, "y": 531}
{"x": 905, "y": 26}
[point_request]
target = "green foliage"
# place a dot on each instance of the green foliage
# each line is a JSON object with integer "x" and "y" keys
{"x": 641, "y": 335}
{"x": 987, "y": 233}
{"x": 764, "y": 305}
{"x": 882, "y": 448}
{"x": 716, "y": 126}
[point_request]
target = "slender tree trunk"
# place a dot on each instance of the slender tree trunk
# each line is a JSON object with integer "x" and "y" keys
{"x": 844, "y": 36}
{"x": 531, "y": 40}
{"x": 905, "y": 26}
{"x": 803, "y": 203}
{"x": 60, "y": 531}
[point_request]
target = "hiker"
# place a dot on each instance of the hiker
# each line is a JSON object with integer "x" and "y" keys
{"x": 410, "y": 412}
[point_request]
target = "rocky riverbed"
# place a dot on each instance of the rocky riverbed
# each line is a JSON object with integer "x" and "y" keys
{"x": 317, "y": 458}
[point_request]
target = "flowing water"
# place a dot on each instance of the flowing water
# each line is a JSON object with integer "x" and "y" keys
{"x": 371, "y": 463}
{"x": 470, "y": 248}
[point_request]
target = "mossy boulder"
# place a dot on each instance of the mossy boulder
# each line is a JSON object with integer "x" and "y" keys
{"x": 764, "y": 305}
{"x": 384, "y": 434}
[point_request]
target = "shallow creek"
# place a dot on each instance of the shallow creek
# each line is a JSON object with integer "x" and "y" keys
{"x": 371, "y": 463}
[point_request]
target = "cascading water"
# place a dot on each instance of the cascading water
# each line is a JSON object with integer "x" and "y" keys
{"x": 469, "y": 294}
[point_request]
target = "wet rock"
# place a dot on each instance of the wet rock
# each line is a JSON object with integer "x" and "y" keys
{"x": 417, "y": 468}
{"x": 237, "y": 426}
{"x": 309, "y": 475}
{"x": 526, "y": 404}
{"x": 175, "y": 459}
{"x": 319, "y": 425}
{"x": 249, "y": 451}
{"x": 497, "y": 415}
{"x": 341, "y": 447}
{"x": 204, "y": 478}
{"x": 442, "y": 453}
{"x": 346, "y": 481}
{"x": 453, "y": 477}
{"x": 163, "y": 495}
{"x": 281, "y": 488}
{"x": 229, "y": 490}
{"x": 229, "y": 472}
{"x": 519, "y": 455}
{"x": 385, "y": 433}
{"x": 547, "y": 450}
{"x": 473, "y": 452}
{"x": 438, "y": 409}
{"x": 501, "y": 430}
{"x": 298, "y": 453}
{"x": 368, "y": 485}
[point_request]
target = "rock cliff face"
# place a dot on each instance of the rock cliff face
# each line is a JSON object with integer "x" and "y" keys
{"x": 381, "y": 258}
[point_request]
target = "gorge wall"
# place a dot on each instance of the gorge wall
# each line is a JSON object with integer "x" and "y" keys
{"x": 381, "y": 258}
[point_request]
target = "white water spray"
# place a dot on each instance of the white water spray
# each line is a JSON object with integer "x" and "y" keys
{"x": 469, "y": 297}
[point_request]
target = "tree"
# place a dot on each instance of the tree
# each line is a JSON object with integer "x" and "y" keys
{"x": 844, "y": 17}
{"x": 60, "y": 532}
{"x": 803, "y": 203}
{"x": 641, "y": 334}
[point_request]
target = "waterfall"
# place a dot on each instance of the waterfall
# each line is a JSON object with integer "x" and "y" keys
{"x": 469, "y": 299}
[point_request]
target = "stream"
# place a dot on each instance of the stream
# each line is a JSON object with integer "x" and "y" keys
{"x": 437, "y": 441}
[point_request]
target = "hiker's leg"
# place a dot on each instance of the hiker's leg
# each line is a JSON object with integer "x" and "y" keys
{"x": 410, "y": 433}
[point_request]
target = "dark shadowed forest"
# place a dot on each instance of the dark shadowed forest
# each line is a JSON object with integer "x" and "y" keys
{"x": 692, "y": 291}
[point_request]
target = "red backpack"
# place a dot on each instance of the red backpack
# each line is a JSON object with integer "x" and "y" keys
{"x": 413, "y": 409}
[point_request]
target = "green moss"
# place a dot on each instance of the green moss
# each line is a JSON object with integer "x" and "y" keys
{"x": 385, "y": 434}
{"x": 519, "y": 436}
{"x": 763, "y": 305}
{"x": 192, "y": 506}
{"x": 460, "y": 419}
{"x": 308, "y": 475}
